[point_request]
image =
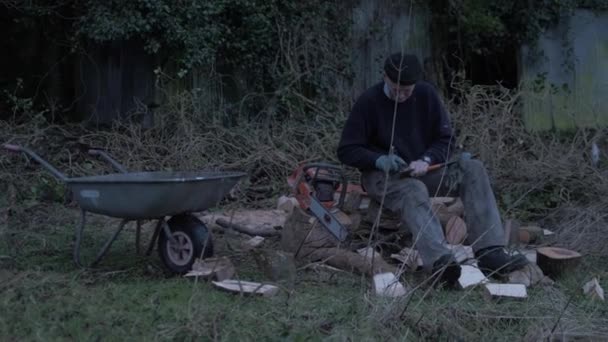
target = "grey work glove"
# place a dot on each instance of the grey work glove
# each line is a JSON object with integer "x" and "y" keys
{"x": 390, "y": 163}
{"x": 418, "y": 168}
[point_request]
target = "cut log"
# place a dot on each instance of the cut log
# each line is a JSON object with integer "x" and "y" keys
{"x": 593, "y": 290}
{"x": 505, "y": 291}
{"x": 352, "y": 202}
{"x": 455, "y": 231}
{"x": 350, "y": 261}
{"x": 388, "y": 285}
{"x": 264, "y": 231}
{"x": 443, "y": 200}
{"x": 388, "y": 219}
{"x": 213, "y": 268}
{"x": 511, "y": 227}
{"x": 471, "y": 276}
{"x": 530, "y": 234}
{"x": 442, "y": 213}
{"x": 247, "y": 287}
{"x": 554, "y": 261}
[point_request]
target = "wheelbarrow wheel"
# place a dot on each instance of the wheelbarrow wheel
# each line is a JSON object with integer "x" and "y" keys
{"x": 192, "y": 241}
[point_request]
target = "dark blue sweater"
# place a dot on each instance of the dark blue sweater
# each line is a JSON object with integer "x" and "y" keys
{"x": 422, "y": 128}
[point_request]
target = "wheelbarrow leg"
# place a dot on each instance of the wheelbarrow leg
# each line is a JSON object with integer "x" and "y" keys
{"x": 78, "y": 233}
{"x": 105, "y": 248}
{"x": 137, "y": 236}
{"x": 78, "y": 242}
{"x": 159, "y": 225}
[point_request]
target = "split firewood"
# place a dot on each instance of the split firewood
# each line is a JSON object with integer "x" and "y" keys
{"x": 409, "y": 257}
{"x": 352, "y": 202}
{"x": 471, "y": 276}
{"x": 388, "y": 219}
{"x": 388, "y": 285}
{"x": 287, "y": 204}
{"x": 264, "y": 230}
{"x": 365, "y": 201}
{"x": 462, "y": 253}
{"x": 593, "y": 290}
{"x": 369, "y": 254}
{"x": 529, "y": 275}
{"x": 456, "y": 208}
{"x": 454, "y": 227}
{"x": 247, "y": 287}
{"x": 530, "y": 254}
{"x": 554, "y": 260}
{"x": 309, "y": 241}
{"x": 212, "y": 268}
{"x": 505, "y": 291}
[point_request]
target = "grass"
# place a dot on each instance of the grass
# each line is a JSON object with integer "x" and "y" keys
{"x": 43, "y": 296}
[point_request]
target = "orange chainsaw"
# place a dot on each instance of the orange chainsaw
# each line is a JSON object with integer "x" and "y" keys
{"x": 314, "y": 186}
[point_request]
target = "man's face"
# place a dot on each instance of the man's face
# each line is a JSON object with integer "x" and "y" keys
{"x": 398, "y": 92}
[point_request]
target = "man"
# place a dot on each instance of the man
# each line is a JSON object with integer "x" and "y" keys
{"x": 407, "y": 114}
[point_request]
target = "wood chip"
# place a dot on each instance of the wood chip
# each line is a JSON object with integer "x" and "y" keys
{"x": 593, "y": 289}
{"x": 443, "y": 200}
{"x": 505, "y": 291}
{"x": 212, "y": 268}
{"x": 530, "y": 254}
{"x": 388, "y": 285}
{"x": 471, "y": 276}
{"x": 410, "y": 257}
{"x": 252, "y": 243}
{"x": 462, "y": 253}
{"x": 369, "y": 254}
{"x": 247, "y": 287}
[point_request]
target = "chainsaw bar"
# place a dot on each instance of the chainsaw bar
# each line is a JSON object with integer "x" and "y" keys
{"x": 328, "y": 220}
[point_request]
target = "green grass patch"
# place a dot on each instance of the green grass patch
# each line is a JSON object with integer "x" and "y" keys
{"x": 44, "y": 296}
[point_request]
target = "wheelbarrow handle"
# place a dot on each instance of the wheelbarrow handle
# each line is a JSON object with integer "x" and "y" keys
{"x": 33, "y": 155}
{"x": 106, "y": 157}
{"x": 11, "y": 147}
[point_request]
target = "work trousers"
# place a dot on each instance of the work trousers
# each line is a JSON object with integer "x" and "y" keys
{"x": 409, "y": 198}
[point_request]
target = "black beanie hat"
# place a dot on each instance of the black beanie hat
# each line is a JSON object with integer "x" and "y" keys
{"x": 411, "y": 70}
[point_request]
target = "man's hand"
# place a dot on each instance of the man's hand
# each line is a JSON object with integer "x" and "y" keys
{"x": 419, "y": 168}
{"x": 390, "y": 163}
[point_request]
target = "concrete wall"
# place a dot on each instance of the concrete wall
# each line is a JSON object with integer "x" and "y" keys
{"x": 571, "y": 62}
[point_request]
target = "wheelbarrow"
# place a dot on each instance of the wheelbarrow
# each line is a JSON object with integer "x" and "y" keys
{"x": 137, "y": 196}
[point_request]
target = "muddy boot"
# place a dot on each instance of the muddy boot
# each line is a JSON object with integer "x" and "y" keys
{"x": 447, "y": 269}
{"x": 496, "y": 261}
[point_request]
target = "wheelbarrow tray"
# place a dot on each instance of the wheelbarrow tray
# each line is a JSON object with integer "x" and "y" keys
{"x": 148, "y": 195}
